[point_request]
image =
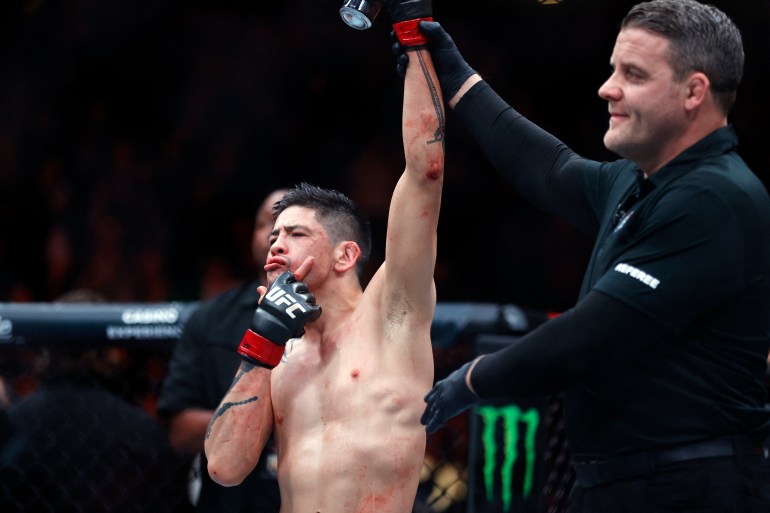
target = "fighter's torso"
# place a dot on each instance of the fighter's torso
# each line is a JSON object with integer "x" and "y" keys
{"x": 347, "y": 416}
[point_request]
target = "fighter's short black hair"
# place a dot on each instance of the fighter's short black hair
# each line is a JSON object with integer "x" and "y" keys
{"x": 338, "y": 214}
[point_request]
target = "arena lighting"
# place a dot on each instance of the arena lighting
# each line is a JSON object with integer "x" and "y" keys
{"x": 360, "y": 14}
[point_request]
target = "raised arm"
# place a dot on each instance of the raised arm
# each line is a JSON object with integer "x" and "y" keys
{"x": 410, "y": 252}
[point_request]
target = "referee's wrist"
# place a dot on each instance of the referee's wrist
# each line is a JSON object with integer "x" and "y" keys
{"x": 468, "y": 375}
{"x": 464, "y": 88}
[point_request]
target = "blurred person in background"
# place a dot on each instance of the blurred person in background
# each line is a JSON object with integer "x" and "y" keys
{"x": 200, "y": 373}
{"x": 73, "y": 445}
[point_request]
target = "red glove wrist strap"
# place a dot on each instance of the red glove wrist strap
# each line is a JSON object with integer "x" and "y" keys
{"x": 409, "y": 34}
{"x": 261, "y": 349}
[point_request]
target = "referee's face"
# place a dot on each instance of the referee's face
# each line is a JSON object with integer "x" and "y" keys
{"x": 646, "y": 104}
{"x": 263, "y": 224}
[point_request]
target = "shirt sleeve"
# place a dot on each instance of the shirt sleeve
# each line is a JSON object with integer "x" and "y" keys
{"x": 567, "y": 350}
{"x": 541, "y": 167}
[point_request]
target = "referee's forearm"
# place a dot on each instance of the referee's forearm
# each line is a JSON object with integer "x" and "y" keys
{"x": 597, "y": 333}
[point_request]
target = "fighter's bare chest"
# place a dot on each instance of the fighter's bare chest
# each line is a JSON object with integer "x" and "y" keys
{"x": 308, "y": 375}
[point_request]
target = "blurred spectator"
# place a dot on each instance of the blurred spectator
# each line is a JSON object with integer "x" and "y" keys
{"x": 200, "y": 373}
{"x": 72, "y": 445}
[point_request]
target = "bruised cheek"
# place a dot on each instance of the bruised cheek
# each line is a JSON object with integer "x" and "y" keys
{"x": 319, "y": 248}
{"x": 311, "y": 248}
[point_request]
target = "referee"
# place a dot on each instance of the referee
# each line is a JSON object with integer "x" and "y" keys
{"x": 662, "y": 360}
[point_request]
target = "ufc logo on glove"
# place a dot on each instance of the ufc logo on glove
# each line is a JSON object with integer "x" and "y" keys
{"x": 280, "y": 316}
{"x": 281, "y": 297}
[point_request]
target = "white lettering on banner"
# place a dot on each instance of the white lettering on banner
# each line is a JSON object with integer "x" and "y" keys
{"x": 143, "y": 332}
{"x": 637, "y": 274}
{"x": 150, "y": 316}
{"x": 6, "y": 327}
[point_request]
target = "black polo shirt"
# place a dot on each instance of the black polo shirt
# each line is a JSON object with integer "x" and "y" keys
{"x": 200, "y": 373}
{"x": 699, "y": 236}
{"x": 692, "y": 253}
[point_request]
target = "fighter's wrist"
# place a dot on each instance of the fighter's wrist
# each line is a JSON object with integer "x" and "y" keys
{"x": 409, "y": 34}
{"x": 258, "y": 350}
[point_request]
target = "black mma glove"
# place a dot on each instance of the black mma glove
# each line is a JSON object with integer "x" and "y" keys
{"x": 281, "y": 316}
{"x": 447, "y": 398}
{"x": 406, "y": 14}
{"x": 402, "y": 60}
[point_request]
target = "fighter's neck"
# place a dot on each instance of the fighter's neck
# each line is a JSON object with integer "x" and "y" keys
{"x": 337, "y": 307}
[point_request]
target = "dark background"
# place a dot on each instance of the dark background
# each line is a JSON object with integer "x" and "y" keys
{"x": 137, "y": 137}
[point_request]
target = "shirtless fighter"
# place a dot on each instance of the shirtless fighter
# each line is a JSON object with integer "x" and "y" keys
{"x": 344, "y": 399}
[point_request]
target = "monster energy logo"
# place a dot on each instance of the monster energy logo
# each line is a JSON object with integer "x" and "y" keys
{"x": 511, "y": 416}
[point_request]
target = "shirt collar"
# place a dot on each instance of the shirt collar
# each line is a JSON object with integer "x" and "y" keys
{"x": 718, "y": 142}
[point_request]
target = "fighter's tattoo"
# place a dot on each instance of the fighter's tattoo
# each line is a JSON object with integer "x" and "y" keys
{"x": 288, "y": 349}
{"x": 438, "y": 136}
{"x": 243, "y": 369}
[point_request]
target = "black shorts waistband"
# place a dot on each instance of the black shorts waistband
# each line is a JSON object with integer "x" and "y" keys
{"x": 593, "y": 473}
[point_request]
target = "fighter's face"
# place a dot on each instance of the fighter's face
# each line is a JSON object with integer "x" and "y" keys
{"x": 646, "y": 104}
{"x": 297, "y": 235}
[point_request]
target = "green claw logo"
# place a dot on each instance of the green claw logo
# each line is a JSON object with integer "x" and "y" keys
{"x": 511, "y": 416}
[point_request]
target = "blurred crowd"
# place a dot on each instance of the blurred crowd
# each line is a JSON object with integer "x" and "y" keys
{"x": 136, "y": 138}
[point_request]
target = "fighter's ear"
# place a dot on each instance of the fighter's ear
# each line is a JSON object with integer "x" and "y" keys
{"x": 346, "y": 254}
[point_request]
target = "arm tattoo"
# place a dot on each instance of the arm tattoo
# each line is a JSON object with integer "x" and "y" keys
{"x": 244, "y": 368}
{"x": 289, "y": 348}
{"x": 438, "y": 136}
{"x": 223, "y": 408}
